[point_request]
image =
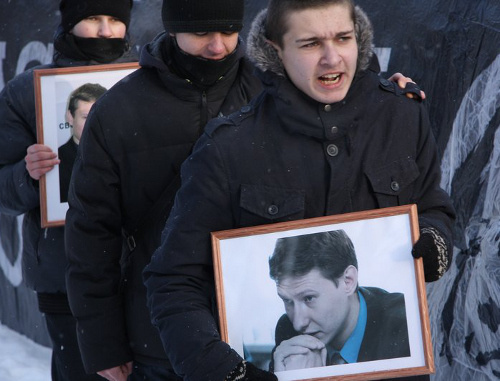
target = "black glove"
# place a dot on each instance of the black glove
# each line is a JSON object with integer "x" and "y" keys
{"x": 431, "y": 247}
{"x": 410, "y": 88}
{"x": 246, "y": 371}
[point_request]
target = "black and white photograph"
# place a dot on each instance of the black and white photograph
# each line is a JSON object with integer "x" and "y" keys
{"x": 301, "y": 300}
{"x": 64, "y": 97}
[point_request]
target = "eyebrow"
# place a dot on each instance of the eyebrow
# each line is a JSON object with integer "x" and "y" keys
{"x": 300, "y": 294}
{"x": 315, "y": 38}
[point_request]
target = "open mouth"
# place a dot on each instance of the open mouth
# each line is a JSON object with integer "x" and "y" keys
{"x": 330, "y": 79}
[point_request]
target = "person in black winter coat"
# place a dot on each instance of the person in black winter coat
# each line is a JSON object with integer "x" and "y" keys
{"x": 327, "y": 136}
{"x": 127, "y": 172}
{"x": 90, "y": 33}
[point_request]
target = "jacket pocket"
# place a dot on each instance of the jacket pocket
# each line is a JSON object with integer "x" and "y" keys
{"x": 262, "y": 204}
{"x": 391, "y": 183}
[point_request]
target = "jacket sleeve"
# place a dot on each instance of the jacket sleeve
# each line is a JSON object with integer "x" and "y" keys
{"x": 19, "y": 192}
{"x": 434, "y": 204}
{"x": 93, "y": 248}
{"x": 180, "y": 277}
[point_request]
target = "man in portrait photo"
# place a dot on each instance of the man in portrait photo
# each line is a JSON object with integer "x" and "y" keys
{"x": 78, "y": 107}
{"x": 329, "y": 318}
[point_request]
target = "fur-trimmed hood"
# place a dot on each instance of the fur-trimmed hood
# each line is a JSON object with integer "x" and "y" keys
{"x": 265, "y": 57}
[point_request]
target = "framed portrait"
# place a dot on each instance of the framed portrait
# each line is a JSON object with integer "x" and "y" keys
{"x": 53, "y": 88}
{"x": 330, "y": 298}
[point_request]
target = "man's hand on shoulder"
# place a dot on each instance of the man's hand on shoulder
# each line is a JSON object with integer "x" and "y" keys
{"x": 403, "y": 81}
{"x": 40, "y": 159}
{"x": 299, "y": 352}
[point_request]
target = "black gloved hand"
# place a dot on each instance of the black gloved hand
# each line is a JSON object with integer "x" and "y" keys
{"x": 411, "y": 89}
{"x": 246, "y": 371}
{"x": 431, "y": 247}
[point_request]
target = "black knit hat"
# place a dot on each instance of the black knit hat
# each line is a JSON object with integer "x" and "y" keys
{"x": 191, "y": 16}
{"x": 74, "y": 11}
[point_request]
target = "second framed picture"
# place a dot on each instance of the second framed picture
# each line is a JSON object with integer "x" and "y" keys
{"x": 59, "y": 123}
{"x": 330, "y": 298}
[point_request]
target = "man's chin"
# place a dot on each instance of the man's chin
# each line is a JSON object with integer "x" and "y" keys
{"x": 329, "y": 97}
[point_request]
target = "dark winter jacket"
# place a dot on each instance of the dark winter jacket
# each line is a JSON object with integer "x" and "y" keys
{"x": 285, "y": 157}
{"x": 135, "y": 139}
{"x": 44, "y": 261}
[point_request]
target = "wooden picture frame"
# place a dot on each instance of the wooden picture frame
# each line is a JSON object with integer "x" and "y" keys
{"x": 52, "y": 89}
{"x": 249, "y": 307}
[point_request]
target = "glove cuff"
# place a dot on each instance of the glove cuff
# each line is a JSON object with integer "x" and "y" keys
{"x": 442, "y": 258}
{"x": 237, "y": 373}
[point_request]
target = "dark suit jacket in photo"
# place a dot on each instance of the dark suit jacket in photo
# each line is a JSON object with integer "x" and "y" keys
{"x": 67, "y": 155}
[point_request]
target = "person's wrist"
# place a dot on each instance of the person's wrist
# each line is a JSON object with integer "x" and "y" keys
{"x": 246, "y": 371}
{"x": 238, "y": 373}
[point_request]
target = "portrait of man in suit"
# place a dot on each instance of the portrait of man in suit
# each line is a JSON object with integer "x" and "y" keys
{"x": 329, "y": 319}
{"x": 79, "y": 104}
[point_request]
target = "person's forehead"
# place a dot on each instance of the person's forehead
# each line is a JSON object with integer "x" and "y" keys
{"x": 312, "y": 279}
{"x": 338, "y": 17}
{"x": 81, "y": 104}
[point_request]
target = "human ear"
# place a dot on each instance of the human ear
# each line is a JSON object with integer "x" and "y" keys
{"x": 69, "y": 117}
{"x": 275, "y": 46}
{"x": 350, "y": 279}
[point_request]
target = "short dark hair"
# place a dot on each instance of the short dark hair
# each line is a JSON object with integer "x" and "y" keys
{"x": 88, "y": 92}
{"x": 330, "y": 252}
{"x": 278, "y": 10}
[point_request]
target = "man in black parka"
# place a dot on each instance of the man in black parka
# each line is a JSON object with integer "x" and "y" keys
{"x": 327, "y": 136}
{"x": 127, "y": 171}
{"x": 90, "y": 33}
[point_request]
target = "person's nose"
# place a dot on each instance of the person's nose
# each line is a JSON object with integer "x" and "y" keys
{"x": 300, "y": 318}
{"x": 330, "y": 55}
{"x": 105, "y": 30}
{"x": 216, "y": 45}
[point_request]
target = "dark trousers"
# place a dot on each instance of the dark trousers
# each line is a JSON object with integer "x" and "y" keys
{"x": 66, "y": 359}
{"x": 143, "y": 372}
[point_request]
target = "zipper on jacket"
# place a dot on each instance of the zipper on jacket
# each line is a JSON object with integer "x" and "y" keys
{"x": 204, "y": 112}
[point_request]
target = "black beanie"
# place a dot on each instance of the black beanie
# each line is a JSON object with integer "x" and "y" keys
{"x": 191, "y": 16}
{"x": 74, "y": 11}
